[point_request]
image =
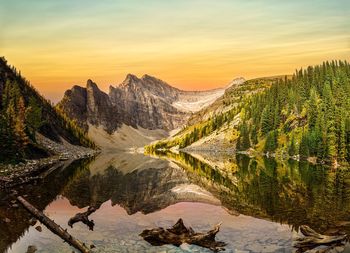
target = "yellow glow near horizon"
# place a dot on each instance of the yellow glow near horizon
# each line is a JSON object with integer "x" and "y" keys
{"x": 193, "y": 45}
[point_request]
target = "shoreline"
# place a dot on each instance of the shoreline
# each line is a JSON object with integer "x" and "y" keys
{"x": 33, "y": 170}
{"x": 30, "y": 170}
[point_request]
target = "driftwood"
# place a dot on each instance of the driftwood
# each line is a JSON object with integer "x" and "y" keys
{"x": 312, "y": 239}
{"x": 50, "y": 224}
{"x": 179, "y": 234}
{"x": 84, "y": 218}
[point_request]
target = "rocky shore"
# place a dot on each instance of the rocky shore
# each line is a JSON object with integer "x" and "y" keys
{"x": 28, "y": 171}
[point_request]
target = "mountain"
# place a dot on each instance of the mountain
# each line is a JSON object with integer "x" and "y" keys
{"x": 26, "y": 117}
{"x": 215, "y": 127}
{"x": 151, "y": 185}
{"x": 145, "y": 103}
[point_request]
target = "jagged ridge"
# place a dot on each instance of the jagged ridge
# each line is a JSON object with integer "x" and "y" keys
{"x": 147, "y": 102}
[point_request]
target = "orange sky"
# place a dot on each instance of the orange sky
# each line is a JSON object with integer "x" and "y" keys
{"x": 193, "y": 45}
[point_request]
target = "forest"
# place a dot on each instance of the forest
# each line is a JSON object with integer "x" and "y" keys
{"x": 305, "y": 116}
{"x": 23, "y": 112}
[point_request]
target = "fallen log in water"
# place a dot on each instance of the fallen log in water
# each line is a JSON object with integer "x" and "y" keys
{"x": 179, "y": 234}
{"x": 312, "y": 239}
{"x": 55, "y": 228}
{"x": 84, "y": 218}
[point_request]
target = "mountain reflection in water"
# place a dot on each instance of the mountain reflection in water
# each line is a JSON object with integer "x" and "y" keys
{"x": 135, "y": 192}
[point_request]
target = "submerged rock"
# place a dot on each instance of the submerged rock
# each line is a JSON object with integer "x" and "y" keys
{"x": 31, "y": 249}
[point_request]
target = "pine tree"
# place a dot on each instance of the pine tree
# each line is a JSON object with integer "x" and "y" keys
{"x": 9, "y": 139}
{"x": 33, "y": 117}
{"x": 341, "y": 137}
{"x": 347, "y": 138}
{"x": 245, "y": 141}
{"x": 276, "y": 116}
{"x": 321, "y": 135}
{"x": 266, "y": 121}
{"x": 292, "y": 150}
{"x": 313, "y": 138}
{"x": 329, "y": 108}
{"x": 312, "y": 109}
{"x": 304, "y": 146}
{"x": 271, "y": 141}
{"x": 21, "y": 136}
{"x": 3, "y": 136}
{"x": 238, "y": 144}
{"x": 254, "y": 135}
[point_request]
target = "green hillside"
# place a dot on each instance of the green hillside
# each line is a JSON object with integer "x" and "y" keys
{"x": 306, "y": 116}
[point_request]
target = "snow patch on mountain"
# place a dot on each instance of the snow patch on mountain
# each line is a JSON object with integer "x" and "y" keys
{"x": 195, "y": 101}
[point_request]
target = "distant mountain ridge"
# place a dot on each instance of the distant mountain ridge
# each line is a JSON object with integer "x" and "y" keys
{"x": 147, "y": 102}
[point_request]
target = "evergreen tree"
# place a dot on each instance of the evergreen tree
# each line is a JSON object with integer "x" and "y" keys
{"x": 292, "y": 150}
{"x": 313, "y": 139}
{"x": 304, "y": 146}
{"x": 341, "y": 137}
{"x": 271, "y": 141}
{"x": 266, "y": 121}
{"x": 244, "y": 137}
{"x": 254, "y": 135}
{"x": 33, "y": 117}
{"x": 238, "y": 144}
{"x": 3, "y": 137}
{"x": 21, "y": 136}
{"x": 329, "y": 108}
{"x": 321, "y": 135}
{"x": 276, "y": 119}
{"x": 347, "y": 138}
{"x": 312, "y": 109}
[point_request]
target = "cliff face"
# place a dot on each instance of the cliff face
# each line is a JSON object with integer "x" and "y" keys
{"x": 90, "y": 105}
{"x": 146, "y": 102}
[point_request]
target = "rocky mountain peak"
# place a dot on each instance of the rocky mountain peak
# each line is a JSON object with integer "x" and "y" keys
{"x": 91, "y": 85}
{"x": 156, "y": 83}
{"x": 132, "y": 77}
{"x": 147, "y": 102}
{"x": 130, "y": 80}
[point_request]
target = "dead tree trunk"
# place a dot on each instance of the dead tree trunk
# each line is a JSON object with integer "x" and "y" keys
{"x": 179, "y": 234}
{"x": 312, "y": 239}
{"x": 84, "y": 218}
{"x": 50, "y": 224}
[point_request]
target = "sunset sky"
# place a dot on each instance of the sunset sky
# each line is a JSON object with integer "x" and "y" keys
{"x": 191, "y": 44}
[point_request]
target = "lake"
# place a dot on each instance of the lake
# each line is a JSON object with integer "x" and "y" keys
{"x": 260, "y": 202}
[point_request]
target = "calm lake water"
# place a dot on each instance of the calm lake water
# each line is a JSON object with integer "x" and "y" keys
{"x": 261, "y": 203}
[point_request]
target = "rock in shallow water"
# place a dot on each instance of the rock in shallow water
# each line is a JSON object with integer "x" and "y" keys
{"x": 31, "y": 249}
